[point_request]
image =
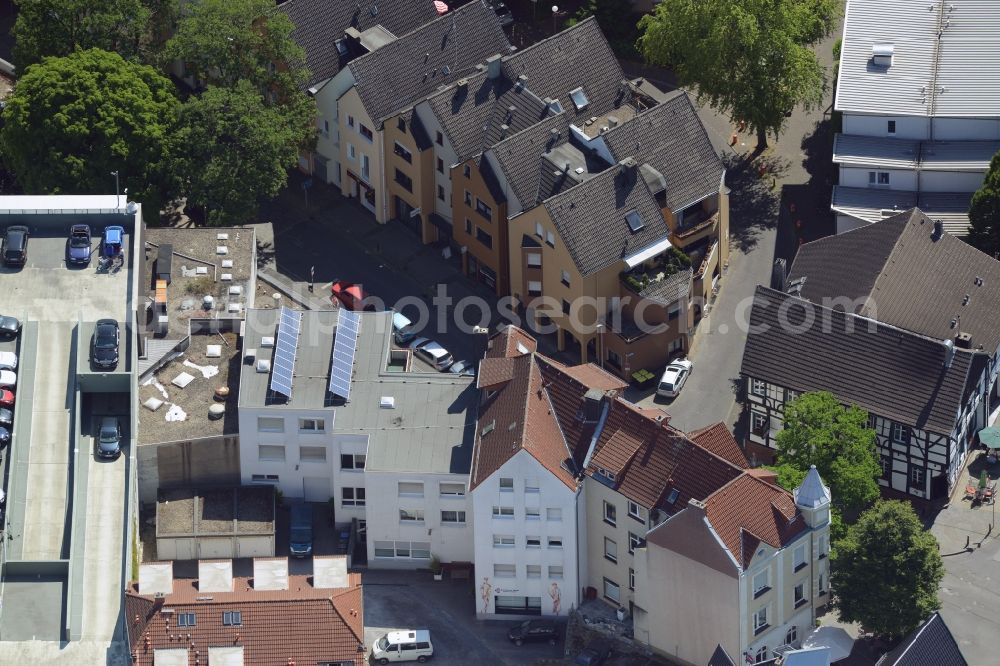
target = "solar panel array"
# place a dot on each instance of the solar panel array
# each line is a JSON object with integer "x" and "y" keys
{"x": 344, "y": 346}
{"x": 283, "y": 366}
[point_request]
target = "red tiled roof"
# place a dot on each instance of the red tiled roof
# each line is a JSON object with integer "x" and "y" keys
{"x": 594, "y": 377}
{"x": 302, "y": 623}
{"x": 504, "y": 343}
{"x": 617, "y": 452}
{"x": 494, "y": 371}
{"x": 720, "y": 441}
{"x": 748, "y": 511}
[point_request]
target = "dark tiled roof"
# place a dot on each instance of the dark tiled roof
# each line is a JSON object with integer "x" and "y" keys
{"x": 402, "y": 72}
{"x": 579, "y": 56}
{"x": 671, "y": 138}
{"x": 591, "y": 218}
{"x": 302, "y": 623}
{"x": 908, "y": 279}
{"x": 720, "y": 441}
{"x": 930, "y": 644}
{"x": 720, "y": 657}
{"x": 320, "y": 23}
{"x": 519, "y": 157}
{"x": 859, "y": 360}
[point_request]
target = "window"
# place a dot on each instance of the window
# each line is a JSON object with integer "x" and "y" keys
{"x": 439, "y": 139}
{"x": 411, "y": 489}
{"x": 270, "y": 424}
{"x": 534, "y": 288}
{"x": 504, "y": 570}
{"x": 506, "y": 483}
{"x": 452, "y": 489}
{"x": 350, "y": 121}
{"x": 441, "y": 192}
{"x": 352, "y": 461}
{"x": 401, "y": 150}
{"x": 232, "y": 618}
{"x": 917, "y": 476}
{"x": 634, "y": 220}
{"x": 674, "y": 494}
{"x": 634, "y": 541}
{"x": 351, "y": 153}
{"x": 760, "y": 583}
{"x": 822, "y": 584}
{"x": 890, "y": 127}
{"x": 365, "y": 132}
{"x": 483, "y": 209}
{"x": 534, "y": 259}
{"x": 453, "y": 517}
{"x": 674, "y": 311}
{"x": 900, "y": 433}
{"x": 634, "y": 510}
{"x": 468, "y": 198}
{"x": 610, "y": 514}
{"x": 420, "y": 550}
{"x": 606, "y": 473}
{"x": 385, "y": 549}
{"x": 800, "y": 593}
{"x": 503, "y": 541}
{"x": 405, "y": 181}
{"x": 761, "y": 655}
{"x": 484, "y": 238}
{"x": 532, "y": 513}
{"x": 533, "y": 542}
{"x": 185, "y": 620}
{"x": 531, "y": 485}
{"x": 758, "y": 387}
{"x": 366, "y": 167}
{"x": 758, "y": 423}
{"x": 550, "y": 238}
{"x": 792, "y": 635}
{"x": 411, "y": 515}
{"x": 886, "y": 465}
{"x": 821, "y": 546}
{"x": 610, "y": 550}
{"x": 401, "y": 124}
{"x": 611, "y": 591}
{"x": 468, "y": 226}
{"x": 440, "y": 165}
{"x": 352, "y": 496}
{"x": 539, "y": 230}
{"x": 467, "y": 171}
{"x": 555, "y": 542}
{"x": 271, "y": 452}
{"x": 565, "y": 278}
{"x": 534, "y": 571}
{"x": 631, "y": 578}
{"x": 760, "y": 620}
{"x": 579, "y": 98}
{"x": 566, "y": 307}
{"x": 403, "y": 549}
{"x": 555, "y": 107}
{"x": 264, "y": 478}
{"x": 555, "y": 571}
{"x": 553, "y": 514}
{"x": 312, "y": 454}
{"x": 799, "y": 557}
{"x": 878, "y": 177}
{"x": 503, "y": 512}
{"x": 325, "y": 128}
{"x": 312, "y": 425}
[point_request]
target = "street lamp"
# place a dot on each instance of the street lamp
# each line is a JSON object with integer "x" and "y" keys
{"x": 118, "y": 202}
{"x": 555, "y": 10}
{"x": 600, "y": 351}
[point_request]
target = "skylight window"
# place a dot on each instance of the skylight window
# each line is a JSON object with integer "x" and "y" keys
{"x": 341, "y": 47}
{"x": 579, "y": 98}
{"x": 634, "y": 220}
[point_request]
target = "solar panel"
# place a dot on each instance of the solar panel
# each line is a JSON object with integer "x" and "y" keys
{"x": 344, "y": 346}
{"x": 283, "y": 366}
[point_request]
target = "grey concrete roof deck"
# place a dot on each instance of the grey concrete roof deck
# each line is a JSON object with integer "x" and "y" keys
{"x": 873, "y": 204}
{"x": 218, "y": 511}
{"x": 855, "y": 150}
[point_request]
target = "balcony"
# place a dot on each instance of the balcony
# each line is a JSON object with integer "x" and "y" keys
{"x": 663, "y": 279}
{"x": 695, "y": 227}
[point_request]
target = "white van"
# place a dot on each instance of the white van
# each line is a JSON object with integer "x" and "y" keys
{"x": 402, "y": 329}
{"x": 407, "y": 645}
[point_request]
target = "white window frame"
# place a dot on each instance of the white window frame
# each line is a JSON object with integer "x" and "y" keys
{"x": 411, "y": 516}
{"x": 312, "y": 459}
{"x": 458, "y": 520}
{"x": 610, "y": 550}
{"x": 799, "y": 557}
{"x": 354, "y": 461}
{"x": 531, "y": 485}
{"x": 533, "y": 571}
{"x": 553, "y": 514}
{"x": 504, "y": 570}
{"x": 352, "y": 153}
{"x": 533, "y": 542}
{"x": 613, "y": 587}
{"x": 758, "y": 387}
{"x": 504, "y": 541}
{"x": 634, "y": 541}
{"x": 634, "y": 510}
{"x": 760, "y": 587}
{"x": 506, "y": 484}
{"x": 795, "y": 592}
{"x": 312, "y": 425}
{"x": 353, "y": 501}
{"x": 270, "y": 424}
{"x": 631, "y": 578}
{"x": 532, "y": 513}
{"x": 264, "y": 478}
{"x": 555, "y": 571}
{"x": 759, "y": 619}
{"x": 534, "y": 259}
{"x": 534, "y": 288}
{"x": 503, "y": 512}
{"x": 410, "y": 488}
{"x": 273, "y": 450}
{"x": 611, "y": 509}
{"x": 454, "y": 489}
{"x": 554, "y": 542}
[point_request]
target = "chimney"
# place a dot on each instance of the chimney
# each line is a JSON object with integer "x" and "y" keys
{"x": 949, "y": 353}
{"x": 352, "y": 34}
{"x": 963, "y": 340}
{"x": 463, "y": 84}
{"x": 592, "y": 405}
{"x": 522, "y": 80}
{"x": 938, "y": 230}
{"x": 627, "y": 168}
{"x": 493, "y": 66}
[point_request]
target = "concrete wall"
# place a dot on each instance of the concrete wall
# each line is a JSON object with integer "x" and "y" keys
{"x": 919, "y": 127}
{"x": 350, "y": 106}
{"x": 214, "y": 547}
{"x": 899, "y": 179}
{"x": 211, "y": 461}
{"x": 600, "y": 567}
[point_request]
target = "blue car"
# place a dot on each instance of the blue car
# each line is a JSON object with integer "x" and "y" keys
{"x": 78, "y": 245}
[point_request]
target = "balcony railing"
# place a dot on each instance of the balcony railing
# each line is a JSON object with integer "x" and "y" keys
{"x": 694, "y": 227}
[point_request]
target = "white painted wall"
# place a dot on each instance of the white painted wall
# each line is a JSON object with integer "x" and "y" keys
{"x": 552, "y": 494}
{"x": 951, "y": 181}
{"x": 907, "y": 127}
{"x": 328, "y": 145}
{"x": 899, "y": 179}
{"x": 445, "y": 152}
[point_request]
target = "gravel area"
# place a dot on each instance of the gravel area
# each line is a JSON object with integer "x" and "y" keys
{"x": 175, "y": 512}
{"x": 256, "y": 510}
{"x": 216, "y": 512}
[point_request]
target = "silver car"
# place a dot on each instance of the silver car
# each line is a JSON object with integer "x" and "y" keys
{"x": 432, "y": 352}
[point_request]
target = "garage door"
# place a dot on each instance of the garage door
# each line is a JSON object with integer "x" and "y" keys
{"x": 316, "y": 488}
{"x": 215, "y": 549}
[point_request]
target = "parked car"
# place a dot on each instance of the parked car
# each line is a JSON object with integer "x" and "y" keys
{"x": 300, "y": 538}
{"x": 502, "y": 12}
{"x": 408, "y": 645}
{"x": 104, "y": 344}
{"x": 350, "y": 295}
{"x": 533, "y": 631}
{"x": 8, "y": 379}
{"x": 432, "y": 352}
{"x": 78, "y": 245}
{"x": 402, "y": 329}
{"x": 109, "y": 438}
{"x": 9, "y": 326}
{"x": 6, "y": 398}
{"x": 463, "y": 368}
{"x": 4, "y": 437}
{"x": 15, "y": 246}
{"x": 674, "y": 377}
{"x": 6, "y": 417}
{"x": 8, "y": 360}
{"x": 595, "y": 653}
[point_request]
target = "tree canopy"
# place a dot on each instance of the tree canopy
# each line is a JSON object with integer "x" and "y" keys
{"x": 232, "y": 151}
{"x": 885, "y": 573}
{"x": 749, "y": 59}
{"x": 59, "y": 27}
{"x": 73, "y": 120}
{"x": 984, "y": 212}
{"x": 819, "y": 431}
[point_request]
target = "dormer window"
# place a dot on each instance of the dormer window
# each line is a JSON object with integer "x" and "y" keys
{"x": 882, "y": 55}
{"x": 555, "y": 107}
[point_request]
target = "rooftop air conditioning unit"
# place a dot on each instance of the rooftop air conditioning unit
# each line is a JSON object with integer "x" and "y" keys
{"x": 263, "y": 365}
{"x": 387, "y": 402}
{"x": 882, "y": 55}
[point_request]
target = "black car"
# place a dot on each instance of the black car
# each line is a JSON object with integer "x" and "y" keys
{"x": 4, "y": 436}
{"x": 9, "y": 326}
{"x": 6, "y": 417}
{"x": 595, "y": 653}
{"x": 533, "y": 631}
{"x": 109, "y": 438}
{"x": 15, "y": 246}
{"x": 104, "y": 344}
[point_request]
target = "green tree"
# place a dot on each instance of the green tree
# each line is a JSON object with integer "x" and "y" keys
{"x": 819, "y": 431}
{"x": 71, "y": 121}
{"x": 749, "y": 59}
{"x": 232, "y": 152}
{"x": 59, "y": 27}
{"x": 885, "y": 573}
{"x": 984, "y": 212}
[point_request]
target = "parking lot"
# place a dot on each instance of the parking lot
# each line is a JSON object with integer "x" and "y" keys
{"x": 395, "y": 600}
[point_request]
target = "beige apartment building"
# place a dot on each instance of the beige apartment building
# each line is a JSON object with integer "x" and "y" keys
{"x": 745, "y": 569}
